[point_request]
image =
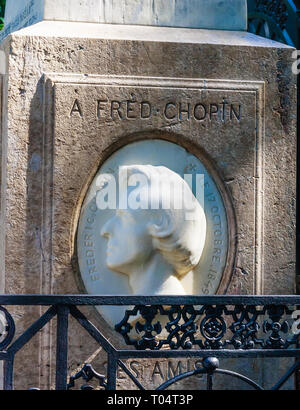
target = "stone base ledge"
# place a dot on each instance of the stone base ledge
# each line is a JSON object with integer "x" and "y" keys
{"x": 56, "y": 29}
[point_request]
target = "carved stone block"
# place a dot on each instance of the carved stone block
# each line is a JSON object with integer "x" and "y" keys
{"x": 76, "y": 94}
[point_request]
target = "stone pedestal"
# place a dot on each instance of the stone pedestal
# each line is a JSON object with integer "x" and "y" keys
{"x": 227, "y": 97}
{"x": 215, "y": 14}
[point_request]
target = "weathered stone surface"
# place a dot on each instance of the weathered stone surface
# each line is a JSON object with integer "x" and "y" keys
{"x": 51, "y": 151}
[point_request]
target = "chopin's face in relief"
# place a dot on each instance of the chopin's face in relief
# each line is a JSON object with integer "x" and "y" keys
{"x": 155, "y": 246}
{"x": 128, "y": 241}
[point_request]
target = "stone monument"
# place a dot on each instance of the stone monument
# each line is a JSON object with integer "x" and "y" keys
{"x": 159, "y": 89}
{"x": 225, "y": 15}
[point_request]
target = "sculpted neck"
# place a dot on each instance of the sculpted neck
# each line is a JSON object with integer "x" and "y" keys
{"x": 155, "y": 277}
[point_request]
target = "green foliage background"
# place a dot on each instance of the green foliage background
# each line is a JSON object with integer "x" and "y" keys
{"x": 2, "y": 9}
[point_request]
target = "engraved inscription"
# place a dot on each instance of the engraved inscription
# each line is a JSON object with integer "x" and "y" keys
{"x": 89, "y": 243}
{"x": 26, "y": 17}
{"x": 159, "y": 371}
{"x": 132, "y": 109}
{"x": 218, "y": 241}
{"x": 76, "y": 108}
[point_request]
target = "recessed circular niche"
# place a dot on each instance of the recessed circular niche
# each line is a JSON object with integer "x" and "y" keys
{"x": 101, "y": 277}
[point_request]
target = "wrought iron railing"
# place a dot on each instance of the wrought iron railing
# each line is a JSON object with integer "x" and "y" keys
{"x": 204, "y": 327}
{"x": 275, "y": 19}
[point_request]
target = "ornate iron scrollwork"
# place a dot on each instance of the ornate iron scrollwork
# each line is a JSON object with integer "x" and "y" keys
{"x": 204, "y": 327}
{"x": 208, "y": 327}
{"x": 276, "y": 327}
{"x": 213, "y": 327}
{"x": 276, "y": 9}
{"x": 87, "y": 373}
{"x": 245, "y": 327}
{"x": 269, "y": 19}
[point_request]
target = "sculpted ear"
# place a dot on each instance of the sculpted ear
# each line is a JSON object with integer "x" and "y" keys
{"x": 161, "y": 228}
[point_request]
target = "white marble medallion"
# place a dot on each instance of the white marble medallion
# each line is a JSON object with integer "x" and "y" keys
{"x": 150, "y": 241}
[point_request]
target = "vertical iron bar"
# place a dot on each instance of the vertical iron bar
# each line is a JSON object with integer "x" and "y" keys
{"x": 112, "y": 364}
{"x": 209, "y": 381}
{"x": 62, "y": 347}
{"x": 9, "y": 373}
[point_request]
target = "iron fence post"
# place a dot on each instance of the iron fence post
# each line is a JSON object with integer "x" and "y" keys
{"x": 112, "y": 364}
{"x": 62, "y": 347}
{"x": 8, "y": 383}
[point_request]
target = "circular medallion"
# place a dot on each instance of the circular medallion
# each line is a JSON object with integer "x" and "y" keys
{"x": 136, "y": 238}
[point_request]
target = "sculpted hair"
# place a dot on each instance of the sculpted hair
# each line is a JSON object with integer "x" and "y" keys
{"x": 178, "y": 239}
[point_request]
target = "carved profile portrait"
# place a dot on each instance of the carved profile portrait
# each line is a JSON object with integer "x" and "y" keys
{"x": 158, "y": 238}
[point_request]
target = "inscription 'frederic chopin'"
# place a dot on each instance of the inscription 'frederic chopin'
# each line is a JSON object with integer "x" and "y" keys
{"x": 117, "y": 110}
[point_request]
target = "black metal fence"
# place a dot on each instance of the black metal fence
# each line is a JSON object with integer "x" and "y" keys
{"x": 202, "y": 327}
{"x": 278, "y": 20}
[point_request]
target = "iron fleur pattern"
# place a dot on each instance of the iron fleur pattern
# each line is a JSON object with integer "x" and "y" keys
{"x": 208, "y": 327}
